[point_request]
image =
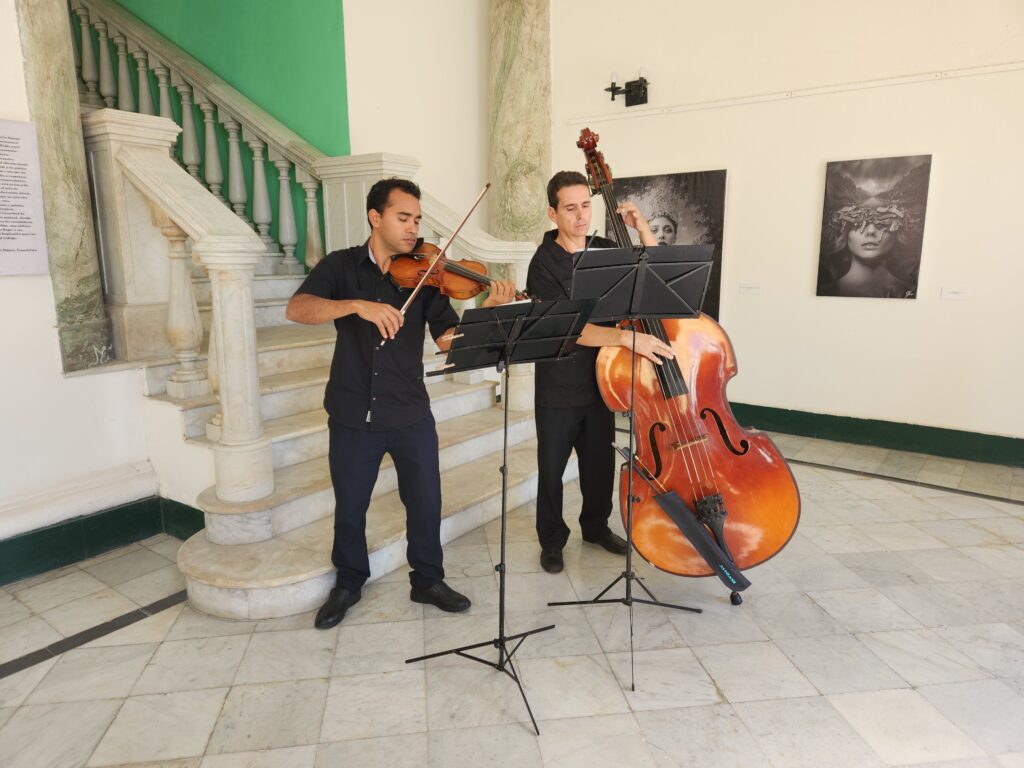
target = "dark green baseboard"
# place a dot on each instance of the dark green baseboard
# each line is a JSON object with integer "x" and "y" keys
{"x": 949, "y": 443}
{"x": 79, "y": 539}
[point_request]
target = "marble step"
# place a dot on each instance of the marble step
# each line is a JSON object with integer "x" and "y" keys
{"x": 267, "y": 312}
{"x": 303, "y": 493}
{"x": 264, "y": 287}
{"x": 292, "y": 573}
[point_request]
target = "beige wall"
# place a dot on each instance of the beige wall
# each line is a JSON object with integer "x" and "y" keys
{"x": 888, "y": 79}
{"x": 417, "y": 85}
{"x": 56, "y": 433}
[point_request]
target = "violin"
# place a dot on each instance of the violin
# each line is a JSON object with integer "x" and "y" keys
{"x": 456, "y": 278}
{"x": 734, "y": 481}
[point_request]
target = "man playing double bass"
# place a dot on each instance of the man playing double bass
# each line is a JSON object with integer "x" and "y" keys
{"x": 568, "y": 408}
{"x": 376, "y": 400}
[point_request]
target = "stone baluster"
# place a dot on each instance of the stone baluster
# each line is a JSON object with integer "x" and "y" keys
{"x": 237, "y": 193}
{"x": 243, "y": 462}
{"x": 314, "y": 243}
{"x": 189, "y": 140}
{"x": 125, "y": 95}
{"x": 287, "y": 233}
{"x": 213, "y": 172}
{"x": 163, "y": 85}
{"x": 184, "y": 328}
{"x": 90, "y": 72}
{"x": 145, "y": 92}
{"x": 261, "y": 214}
{"x": 108, "y": 86}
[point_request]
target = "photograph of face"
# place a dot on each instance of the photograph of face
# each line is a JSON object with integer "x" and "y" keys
{"x": 872, "y": 227}
{"x": 682, "y": 209}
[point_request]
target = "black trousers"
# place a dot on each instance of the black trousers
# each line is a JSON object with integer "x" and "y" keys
{"x": 589, "y": 430}
{"x": 354, "y": 456}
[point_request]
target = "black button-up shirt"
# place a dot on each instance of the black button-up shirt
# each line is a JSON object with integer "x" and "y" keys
{"x": 573, "y": 381}
{"x": 373, "y": 387}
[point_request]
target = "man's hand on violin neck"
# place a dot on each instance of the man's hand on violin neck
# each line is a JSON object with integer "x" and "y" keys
{"x": 651, "y": 347}
{"x": 502, "y": 292}
{"x": 387, "y": 319}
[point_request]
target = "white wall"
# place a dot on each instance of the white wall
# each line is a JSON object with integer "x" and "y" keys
{"x": 934, "y": 362}
{"x": 57, "y": 434}
{"x": 417, "y": 85}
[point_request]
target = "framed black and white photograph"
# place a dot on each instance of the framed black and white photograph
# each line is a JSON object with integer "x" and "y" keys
{"x": 683, "y": 209}
{"x": 872, "y": 227}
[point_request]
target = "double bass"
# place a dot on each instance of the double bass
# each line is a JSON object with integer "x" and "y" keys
{"x": 688, "y": 442}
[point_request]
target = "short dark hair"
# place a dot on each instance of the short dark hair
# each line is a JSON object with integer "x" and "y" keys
{"x": 564, "y": 179}
{"x": 377, "y": 197}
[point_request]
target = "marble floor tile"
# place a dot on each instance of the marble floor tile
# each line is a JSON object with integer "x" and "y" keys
{"x": 388, "y": 601}
{"x": 718, "y": 622}
{"x": 902, "y": 727}
{"x": 959, "y": 533}
{"x": 1005, "y": 559}
{"x": 922, "y": 656}
{"x": 936, "y": 605}
{"x": 988, "y": 711}
{"x": 28, "y": 635}
{"x": 790, "y": 615}
{"x": 150, "y": 630}
{"x": 165, "y": 546}
{"x": 296, "y": 654}
{"x": 50, "y": 594}
{"x": 296, "y": 621}
{"x": 54, "y": 735}
{"x": 467, "y": 561}
{"x": 110, "y": 554}
{"x": 367, "y": 648}
{"x": 191, "y": 624}
{"x": 839, "y": 664}
{"x": 899, "y": 537}
{"x": 965, "y": 507}
{"x": 12, "y": 611}
{"x": 587, "y": 742}
{"x": 470, "y": 695}
{"x": 160, "y": 727}
{"x": 471, "y": 628}
{"x": 1010, "y": 529}
{"x": 753, "y": 671}
{"x": 883, "y": 569}
{"x": 380, "y": 704}
{"x": 873, "y": 488}
{"x": 912, "y": 510}
{"x": 572, "y": 635}
{"x": 14, "y": 689}
{"x": 269, "y": 716}
{"x": 154, "y": 586}
{"x": 997, "y": 648}
{"x": 83, "y": 674}
{"x": 406, "y": 751}
{"x": 533, "y": 591}
{"x": 667, "y": 679}
{"x": 854, "y": 512}
{"x": 863, "y": 610}
{"x": 129, "y": 566}
{"x": 186, "y": 665}
{"x": 700, "y": 737}
{"x": 651, "y": 628}
{"x": 814, "y": 570}
{"x": 571, "y": 686}
{"x": 950, "y": 565}
{"x": 805, "y": 733}
{"x": 1001, "y": 599}
{"x": 89, "y": 611}
{"x": 5, "y": 715}
{"x": 288, "y": 757}
{"x": 497, "y": 746}
{"x": 836, "y": 539}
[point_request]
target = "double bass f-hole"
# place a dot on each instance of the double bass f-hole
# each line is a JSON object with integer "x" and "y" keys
{"x": 654, "y": 446}
{"x": 744, "y": 444}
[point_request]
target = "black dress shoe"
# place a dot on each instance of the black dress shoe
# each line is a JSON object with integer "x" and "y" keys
{"x": 333, "y": 611}
{"x": 610, "y": 541}
{"x": 441, "y": 595}
{"x": 551, "y": 559}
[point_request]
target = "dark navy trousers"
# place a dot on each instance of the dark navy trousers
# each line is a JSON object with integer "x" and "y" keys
{"x": 355, "y": 456}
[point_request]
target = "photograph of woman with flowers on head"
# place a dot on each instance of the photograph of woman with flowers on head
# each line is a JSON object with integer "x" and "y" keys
{"x": 872, "y": 227}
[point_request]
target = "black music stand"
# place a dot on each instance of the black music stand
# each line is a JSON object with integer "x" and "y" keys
{"x": 501, "y": 336}
{"x": 631, "y": 284}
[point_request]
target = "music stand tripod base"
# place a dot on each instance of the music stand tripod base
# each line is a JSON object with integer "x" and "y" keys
{"x": 500, "y": 336}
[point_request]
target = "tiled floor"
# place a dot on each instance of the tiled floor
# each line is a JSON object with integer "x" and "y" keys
{"x": 889, "y": 632}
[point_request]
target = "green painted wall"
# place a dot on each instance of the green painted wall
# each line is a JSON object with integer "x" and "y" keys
{"x": 288, "y": 56}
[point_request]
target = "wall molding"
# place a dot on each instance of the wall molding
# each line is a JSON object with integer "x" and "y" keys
{"x": 935, "y": 441}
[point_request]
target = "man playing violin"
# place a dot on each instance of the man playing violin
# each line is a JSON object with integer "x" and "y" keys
{"x": 376, "y": 400}
{"x": 568, "y": 408}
